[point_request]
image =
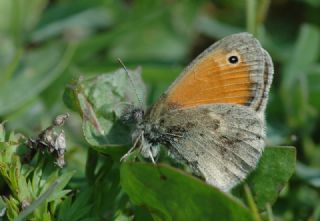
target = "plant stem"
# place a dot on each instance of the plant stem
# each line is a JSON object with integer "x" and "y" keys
{"x": 91, "y": 164}
{"x": 251, "y": 203}
{"x": 251, "y": 16}
{"x": 262, "y": 11}
{"x": 269, "y": 212}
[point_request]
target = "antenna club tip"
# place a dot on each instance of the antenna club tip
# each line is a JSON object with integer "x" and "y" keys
{"x": 120, "y": 61}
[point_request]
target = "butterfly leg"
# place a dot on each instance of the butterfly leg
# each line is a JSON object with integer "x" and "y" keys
{"x": 124, "y": 157}
{"x": 146, "y": 149}
{"x": 151, "y": 157}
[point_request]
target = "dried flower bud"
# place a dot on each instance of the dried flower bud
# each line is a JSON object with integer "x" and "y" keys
{"x": 60, "y": 119}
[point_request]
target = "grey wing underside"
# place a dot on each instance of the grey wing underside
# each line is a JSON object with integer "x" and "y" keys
{"x": 222, "y": 142}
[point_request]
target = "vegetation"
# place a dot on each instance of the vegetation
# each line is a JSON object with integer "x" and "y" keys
{"x": 59, "y": 56}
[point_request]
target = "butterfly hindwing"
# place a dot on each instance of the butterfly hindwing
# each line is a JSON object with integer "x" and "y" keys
{"x": 222, "y": 142}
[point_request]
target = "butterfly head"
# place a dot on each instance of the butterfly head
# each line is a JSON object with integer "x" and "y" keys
{"x": 132, "y": 115}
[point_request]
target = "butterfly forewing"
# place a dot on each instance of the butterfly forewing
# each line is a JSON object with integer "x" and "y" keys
{"x": 230, "y": 71}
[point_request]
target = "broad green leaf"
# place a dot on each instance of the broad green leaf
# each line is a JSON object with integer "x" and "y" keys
{"x": 274, "y": 170}
{"x": 37, "y": 72}
{"x": 100, "y": 101}
{"x": 170, "y": 194}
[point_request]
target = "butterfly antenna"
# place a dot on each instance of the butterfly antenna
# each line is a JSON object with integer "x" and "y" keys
{"x": 132, "y": 82}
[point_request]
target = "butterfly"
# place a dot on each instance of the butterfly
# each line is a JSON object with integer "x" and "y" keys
{"x": 212, "y": 117}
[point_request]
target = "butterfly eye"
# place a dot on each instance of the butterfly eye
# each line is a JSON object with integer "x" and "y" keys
{"x": 233, "y": 59}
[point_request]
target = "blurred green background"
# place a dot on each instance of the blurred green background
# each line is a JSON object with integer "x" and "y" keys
{"x": 45, "y": 44}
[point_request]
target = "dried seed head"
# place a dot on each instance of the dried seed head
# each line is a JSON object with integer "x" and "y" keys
{"x": 60, "y": 119}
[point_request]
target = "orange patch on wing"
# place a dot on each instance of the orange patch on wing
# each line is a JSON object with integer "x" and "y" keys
{"x": 213, "y": 80}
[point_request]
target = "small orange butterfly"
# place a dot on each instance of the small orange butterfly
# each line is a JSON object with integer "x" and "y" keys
{"x": 212, "y": 116}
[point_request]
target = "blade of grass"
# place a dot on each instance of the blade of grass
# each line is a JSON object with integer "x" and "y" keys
{"x": 27, "y": 87}
{"x": 10, "y": 69}
{"x": 37, "y": 202}
{"x": 16, "y": 22}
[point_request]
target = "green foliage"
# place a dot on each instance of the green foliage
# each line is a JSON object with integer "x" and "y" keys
{"x": 171, "y": 195}
{"x": 275, "y": 168}
{"x": 40, "y": 76}
{"x": 100, "y": 101}
{"x": 29, "y": 184}
{"x": 185, "y": 198}
{"x": 54, "y": 53}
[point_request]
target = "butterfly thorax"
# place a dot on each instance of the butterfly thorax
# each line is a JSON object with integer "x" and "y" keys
{"x": 151, "y": 127}
{"x": 146, "y": 134}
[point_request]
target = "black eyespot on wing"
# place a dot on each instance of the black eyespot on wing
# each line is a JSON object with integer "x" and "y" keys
{"x": 233, "y": 59}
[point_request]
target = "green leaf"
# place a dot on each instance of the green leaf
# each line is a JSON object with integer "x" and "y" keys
{"x": 130, "y": 39}
{"x": 79, "y": 24}
{"x": 165, "y": 46}
{"x": 63, "y": 181}
{"x": 274, "y": 170}
{"x": 215, "y": 28}
{"x": 16, "y": 19}
{"x": 100, "y": 101}
{"x": 35, "y": 75}
{"x": 121, "y": 217}
{"x": 295, "y": 87}
{"x": 314, "y": 3}
{"x": 308, "y": 44}
{"x": 3, "y": 207}
{"x": 12, "y": 207}
{"x": 92, "y": 45}
{"x": 313, "y": 85}
{"x": 309, "y": 174}
{"x": 170, "y": 194}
